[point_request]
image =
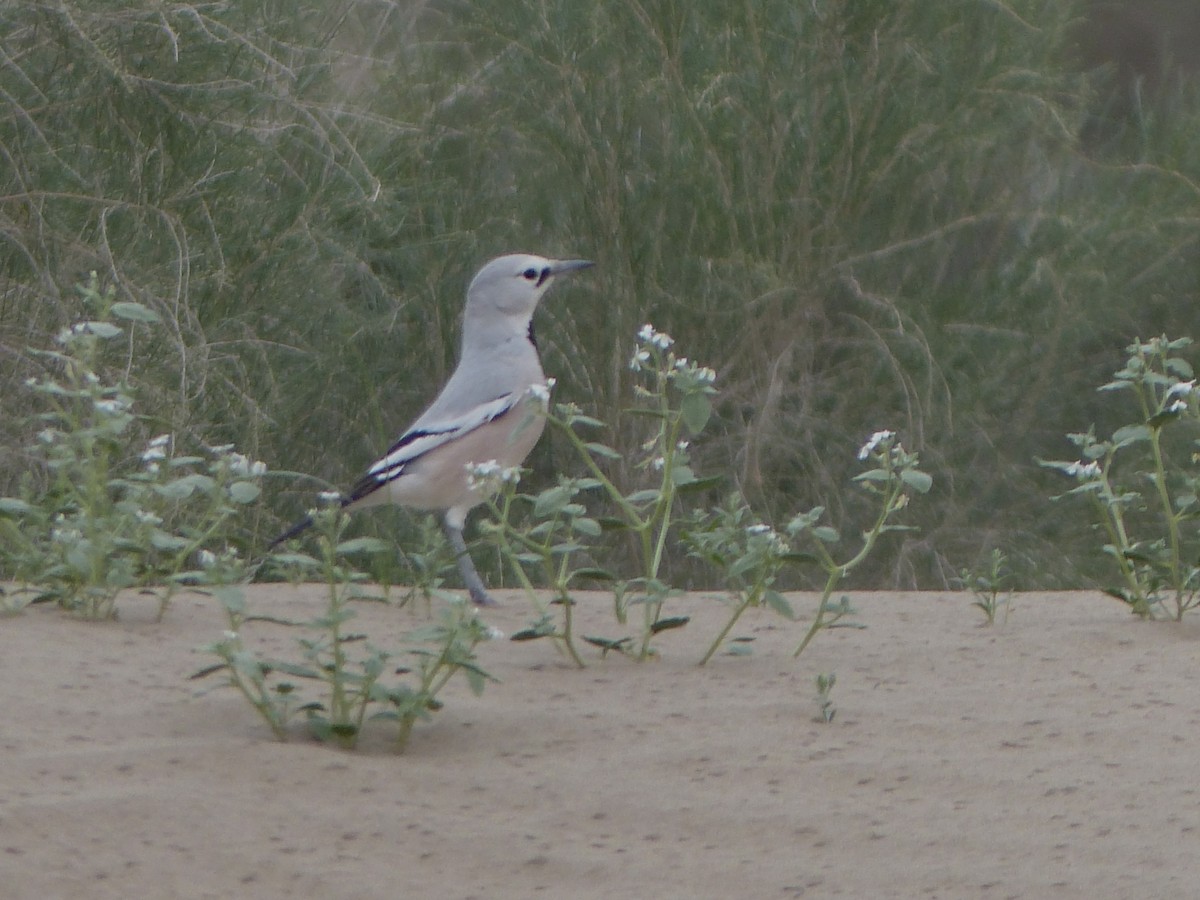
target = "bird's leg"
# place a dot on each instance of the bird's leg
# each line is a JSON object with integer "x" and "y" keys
{"x": 466, "y": 568}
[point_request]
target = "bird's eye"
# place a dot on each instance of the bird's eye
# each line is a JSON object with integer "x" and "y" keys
{"x": 530, "y": 274}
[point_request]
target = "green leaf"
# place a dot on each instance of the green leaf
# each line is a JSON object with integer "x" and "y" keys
{"x": 134, "y": 312}
{"x": 551, "y": 501}
{"x": 612, "y": 523}
{"x": 917, "y": 480}
{"x": 208, "y": 670}
{"x": 182, "y": 488}
{"x": 1130, "y": 434}
{"x": 361, "y": 545}
{"x": 287, "y": 668}
{"x": 13, "y": 506}
{"x": 244, "y": 492}
{"x": 302, "y": 560}
{"x": 102, "y": 329}
{"x": 530, "y": 634}
{"x": 1180, "y": 367}
{"x": 669, "y": 623}
{"x": 163, "y": 540}
{"x": 873, "y": 475}
{"x": 650, "y": 495}
{"x": 597, "y": 449}
{"x": 681, "y": 476}
{"x": 826, "y": 534}
{"x": 700, "y": 484}
{"x": 587, "y": 526}
{"x": 779, "y": 604}
{"x": 695, "y": 411}
{"x": 607, "y": 644}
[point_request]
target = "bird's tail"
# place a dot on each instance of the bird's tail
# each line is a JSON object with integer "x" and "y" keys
{"x": 303, "y": 525}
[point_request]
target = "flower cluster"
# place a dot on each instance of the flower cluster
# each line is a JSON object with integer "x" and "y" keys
{"x": 873, "y": 442}
{"x": 650, "y": 342}
{"x": 1083, "y": 471}
{"x": 541, "y": 392}
{"x": 488, "y": 477}
{"x": 685, "y": 370}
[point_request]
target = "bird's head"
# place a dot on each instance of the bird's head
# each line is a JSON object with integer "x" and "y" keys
{"x": 512, "y": 285}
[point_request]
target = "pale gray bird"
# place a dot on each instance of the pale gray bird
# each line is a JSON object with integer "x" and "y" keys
{"x": 482, "y": 414}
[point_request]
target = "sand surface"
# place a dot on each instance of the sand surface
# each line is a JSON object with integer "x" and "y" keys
{"x": 1053, "y": 755}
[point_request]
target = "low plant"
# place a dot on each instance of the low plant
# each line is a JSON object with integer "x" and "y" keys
{"x": 421, "y": 564}
{"x": 892, "y": 482}
{"x": 991, "y": 586}
{"x": 675, "y": 397}
{"x": 1143, "y": 482}
{"x": 545, "y": 541}
{"x": 353, "y": 677}
{"x": 825, "y": 706}
{"x": 748, "y": 558}
{"x": 747, "y": 555}
{"x": 107, "y": 519}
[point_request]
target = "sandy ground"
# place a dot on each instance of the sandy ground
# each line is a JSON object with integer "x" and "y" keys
{"x": 1053, "y": 755}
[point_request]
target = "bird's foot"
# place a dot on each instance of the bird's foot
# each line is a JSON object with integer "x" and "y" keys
{"x": 482, "y": 598}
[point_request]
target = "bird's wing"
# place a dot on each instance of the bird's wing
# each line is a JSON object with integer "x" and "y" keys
{"x": 422, "y": 439}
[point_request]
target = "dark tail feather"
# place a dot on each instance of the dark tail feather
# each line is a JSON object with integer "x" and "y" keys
{"x": 296, "y": 529}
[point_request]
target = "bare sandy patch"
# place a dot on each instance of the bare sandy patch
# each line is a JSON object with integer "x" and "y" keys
{"x": 1050, "y": 756}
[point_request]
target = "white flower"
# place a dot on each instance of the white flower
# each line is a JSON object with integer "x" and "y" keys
{"x": 148, "y": 518}
{"x": 640, "y": 358}
{"x": 207, "y": 559}
{"x": 1177, "y": 406}
{"x": 494, "y": 634}
{"x": 1181, "y": 388}
{"x": 1083, "y": 471}
{"x": 153, "y": 452}
{"x": 486, "y": 477}
{"x": 647, "y": 335}
{"x": 488, "y": 469}
{"x": 705, "y": 375}
{"x": 658, "y": 462}
{"x": 231, "y": 635}
{"x": 758, "y": 529}
{"x": 110, "y": 407}
{"x": 48, "y": 435}
{"x": 874, "y": 441}
{"x": 242, "y": 466}
{"x": 540, "y": 392}
{"x": 682, "y": 446}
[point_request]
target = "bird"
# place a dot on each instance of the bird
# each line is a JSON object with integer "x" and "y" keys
{"x": 483, "y": 414}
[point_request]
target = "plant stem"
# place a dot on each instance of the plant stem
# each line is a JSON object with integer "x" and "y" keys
{"x": 819, "y": 621}
{"x": 746, "y": 603}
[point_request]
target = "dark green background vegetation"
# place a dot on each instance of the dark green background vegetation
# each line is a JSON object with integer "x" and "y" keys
{"x": 865, "y": 214}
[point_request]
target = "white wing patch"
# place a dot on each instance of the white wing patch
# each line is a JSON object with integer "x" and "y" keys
{"x": 416, "y": 442}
